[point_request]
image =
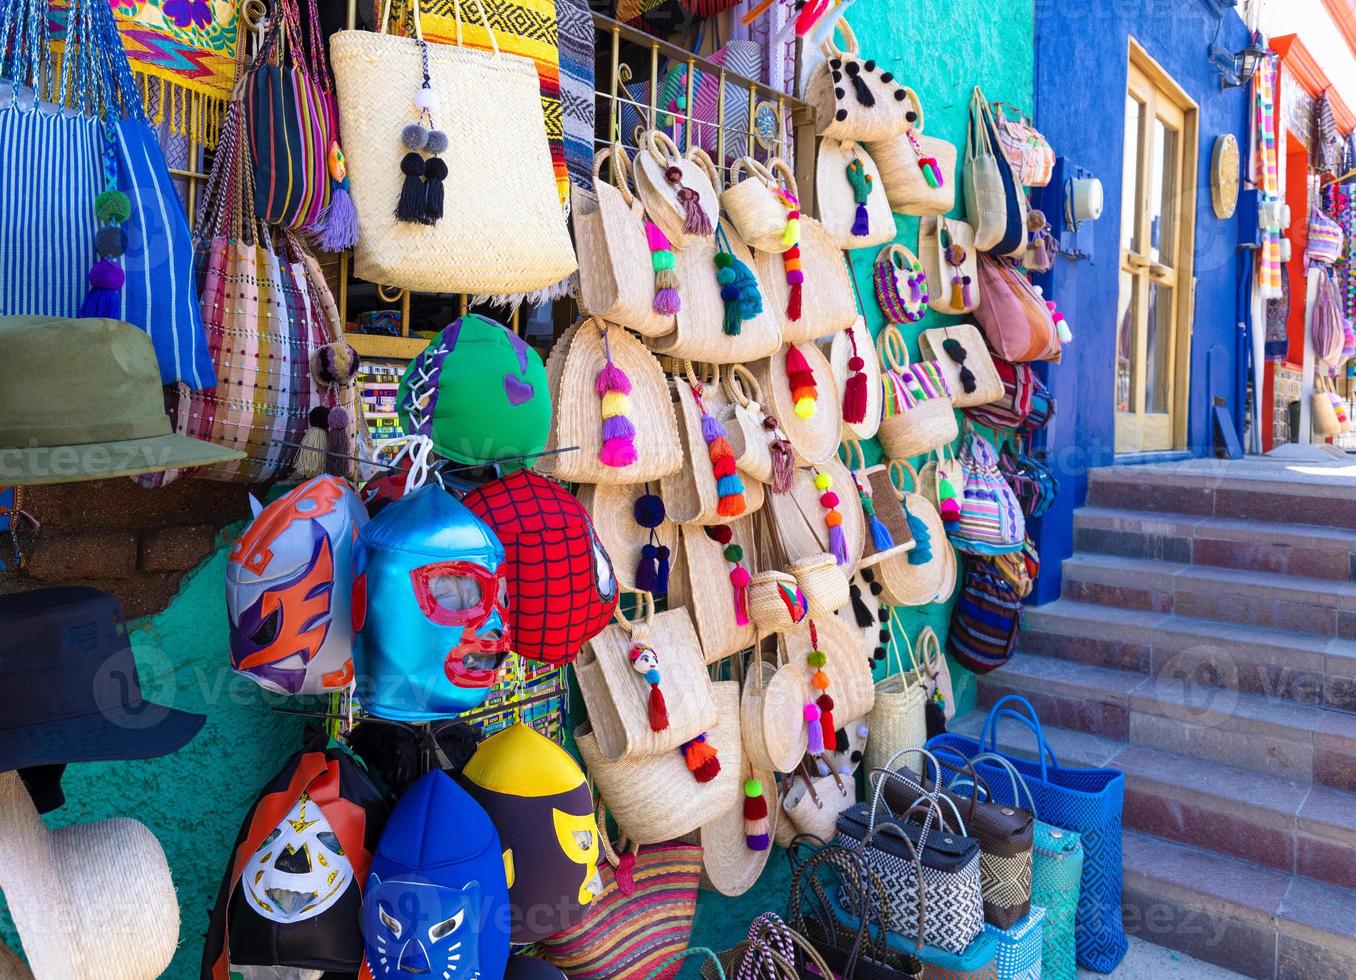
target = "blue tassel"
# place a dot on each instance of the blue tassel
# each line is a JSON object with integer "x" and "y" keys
{"x": 922, "y": 540}
{"x": 661, "y": 579}
{"x": 647, "y": 571}
{"x": 729, "y": 486}
{"x": 100, "y": 303}
{"x": 880, "y": 535}
{"x": 750, "y": 299}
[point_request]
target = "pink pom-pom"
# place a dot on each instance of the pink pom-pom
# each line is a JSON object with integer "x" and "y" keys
{"x": 739, "y": 577}
{"x": 611, "y": 378}
{"x": 795, "y": 277}
{"x": 617, "y": 453}
{"x": 656, "y": 239}
{"x": 812, "y": 712}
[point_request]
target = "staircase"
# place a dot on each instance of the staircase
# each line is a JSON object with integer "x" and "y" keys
{"x": 1205, "y": 645}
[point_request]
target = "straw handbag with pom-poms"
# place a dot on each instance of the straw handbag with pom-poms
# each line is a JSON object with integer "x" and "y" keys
{"x": 801, "y": 393}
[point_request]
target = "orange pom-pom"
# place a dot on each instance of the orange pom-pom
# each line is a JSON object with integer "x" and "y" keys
{"x": 833, "y": 518}
{"x": 820, "y": 681}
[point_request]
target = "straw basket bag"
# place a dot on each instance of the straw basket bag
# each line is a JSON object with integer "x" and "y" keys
{"x": 758, "y": 214}
{"x": 1325, "y": 421}
{"x": 934, "y": 672}
{"x": 772, "y": 711}
{"x": 960, "y": 349}
{"x": 701, "y": 582}
{"x": 855, "y": 341}
{"x": 616, "y": 277}
{"x": 801, "y": 518}
{"x": 854, "y": 99}
{"x": 814, "y": 437}
{"x": 908, "y": 160}
{"x": 849, "y": 196}
{"x": 772, "y": 951}
{"x": 813, "y": 805}
{"x": 850, "y": 684}
{"x": 613, "y": 511}
{"x": 729, "y": 865}
{"x": 906, "y": 580}
{"x": 657, "y": 799}
{"x": 911, "y": 426}
{"x": 503, "y": 229}
{"x": 826, "y": 300}
{"x": 572, "y": 371}
{"x": 692, "y": 495}
{"x": 755, "y": 437}
{"x": 899, "y": 719}
{"x": 946, "y": 250}
{"x": 662, "y": 174}
{"x": 879, "y": 504}
{"x": 620, "y": 698}
{"x": 776, "y": 602}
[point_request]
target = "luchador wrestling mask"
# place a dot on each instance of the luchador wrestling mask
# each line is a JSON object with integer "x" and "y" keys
{"x": 288, "y": 581}
{"x": 436, "y": 899}
{"x": 430, "y": 609}
{"x": 537, "y": 797}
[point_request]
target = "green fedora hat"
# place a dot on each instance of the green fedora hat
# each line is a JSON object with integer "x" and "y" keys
{"x": 81, "y": 400}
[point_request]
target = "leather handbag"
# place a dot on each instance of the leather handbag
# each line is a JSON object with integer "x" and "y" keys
{"x": 1015, "y": 320}
{"x": 946, "y": 249}
{"x": 918, "y": 171}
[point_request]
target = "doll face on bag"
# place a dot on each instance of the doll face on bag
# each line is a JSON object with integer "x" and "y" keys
{"x": 416, "y": 928}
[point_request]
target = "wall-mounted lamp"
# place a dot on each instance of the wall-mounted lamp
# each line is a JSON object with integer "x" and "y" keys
{"x": 1236, "y": 67}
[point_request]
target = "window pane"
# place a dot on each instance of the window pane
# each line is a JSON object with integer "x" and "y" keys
{"x": 1134, "y": 119}
{"x": 1125, "y": 344}
{"x": 1158, "y": 348}
{"x": 1163, "y": 194}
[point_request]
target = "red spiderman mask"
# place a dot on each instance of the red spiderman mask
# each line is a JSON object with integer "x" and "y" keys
{"x": 561, "y": 585}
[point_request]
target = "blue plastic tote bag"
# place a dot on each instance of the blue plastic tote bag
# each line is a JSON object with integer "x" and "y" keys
{"x": 1086, "y": 801}
{"x": 90, "y": 223}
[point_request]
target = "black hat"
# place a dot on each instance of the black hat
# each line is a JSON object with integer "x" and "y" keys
{"x": 68, "y": 684}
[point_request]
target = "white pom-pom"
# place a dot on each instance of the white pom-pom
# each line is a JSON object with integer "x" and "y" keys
{"x": 426, "y": 98}
{"x": 1039, "y": 290}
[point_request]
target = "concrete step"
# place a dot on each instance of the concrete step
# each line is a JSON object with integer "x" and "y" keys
{"x": 1299, "y": 742}
{"x": 1258, "y": 490}
{"x": 1265, "y": 546}
{"x": 1272, "y": 663}
{"x": 1301, "y": 604}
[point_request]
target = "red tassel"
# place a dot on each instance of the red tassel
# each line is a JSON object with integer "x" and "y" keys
{"x": 755, "y": 808}
{"x": 854, "y": 398}
{"x": 826, "y": 724}
{"x": 731, "y": 506}
{"x": 796, "y": 363}
{"x": 793, "y": 302}
{"x": 659, "y": 711}
{"x": 725, "y": 466}
{"x": 701, "y": 759}
{"x": 625, "y": 874}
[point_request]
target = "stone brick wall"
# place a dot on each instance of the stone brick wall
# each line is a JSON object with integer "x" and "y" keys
{"x": 1289, "y": 385}
{"x": 134, "y": 543}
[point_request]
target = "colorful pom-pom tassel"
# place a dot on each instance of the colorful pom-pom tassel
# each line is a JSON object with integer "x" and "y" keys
{"x": 856, "y": 390}
{"x": 738, "y": 288}
{"x": 755, "y": 816}
{"x": 801, "y": 377}
{"x": 701, "y": 758}
{"x": 667, "y": 302}
{"x": 729, "y": 487}
{"x": 795, "y": 276}
{"x": 881, "y": 538}
{"x": 922, "y": 539}
{"x": 813, "y": 729}
{"x": 646, "y": 662}
{"x": 618, "y": 432}
{"x": 861, "y": 182}
{"x": 948, "y": 501}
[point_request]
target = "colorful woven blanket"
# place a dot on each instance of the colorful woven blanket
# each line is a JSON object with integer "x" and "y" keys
{"x": 576, "y": 89}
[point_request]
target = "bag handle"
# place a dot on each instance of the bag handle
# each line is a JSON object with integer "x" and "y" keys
{"x": 911, "y": 97}
{"x": 781, "y": 171}
{"x": 896, "y": 470}
{"x": 964, "y": 768}
{"x": 756, "y": 171}
{"x": 741, "y": 386}
{"x": 849, "y": 449}
{"x": 988, "y": 738}
{"x": 977, "y": 138}
{"x": 637, "y": 628}
{"x": 893, "y": 648}
{"x": 893, "y": 351}
{"x": 703, "y": 159}
{"x": 660, "y": 146}
{"x": 850, "y": 46}
{"x": 1014, "y": 775}
{"x": 620, "y": 170}
{"x": 769, "y": 932}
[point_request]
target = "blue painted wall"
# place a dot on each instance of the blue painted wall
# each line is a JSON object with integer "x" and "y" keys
{"x": 1082, "y": 57}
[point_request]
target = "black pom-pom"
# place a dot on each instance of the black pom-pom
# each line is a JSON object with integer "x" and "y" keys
{"x": 869, "y": 65}
{"x": 911, "y": 116}
{"x": 852, "y": 68}
{"x": 840, "y": 115}
{"x": 875, "y": 588}
{"x": 435, "y": 172}
{"x": 649, "y": 510}
{"x": 900, "y": 95}
{"x": 885, "y": 76}
{"x": 836, "y": 63}
{"x": 884, "y": 636}
{"x": 319, "y": 417}
{"x": 838, "y": 93}
{"x": 856, "y": 757}
{"x": 412, "y": 165}
{"x": 110, "y": 242}
{"x": 837, "y": 76}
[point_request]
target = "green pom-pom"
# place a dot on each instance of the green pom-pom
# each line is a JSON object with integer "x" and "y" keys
{"x": 724, "y": 260}
{"x": 816, "y": 658}
{"x": 662, "y": 260}
{"x": 734, "y": 553}
{"x": 753, "y": 788}
{"x": 112, "y": 207}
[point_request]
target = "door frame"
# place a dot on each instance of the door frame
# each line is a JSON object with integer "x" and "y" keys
{"x": 1183, "y": 259}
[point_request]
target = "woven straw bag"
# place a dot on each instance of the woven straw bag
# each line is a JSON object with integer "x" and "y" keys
{"x": 953, "y": 286}
{"x": 909, "y": 429}
{"x": 827, "y": 302}
{"x": 772, "y": 711}
{"x": 1325, "y": 420}
{"x": 729, "y": 866}
{"x": 873, "y": 488}
{"x": 899, "y": 719}
{"x": 746, "y": 423}
{"x": 504, "y": 230}
{"x": 752, "y": 204}
{"x": 799, "y": 522}
{"x": 776, "y": 603}
{"x": 814, "y": 438}
{"x": 813, "y": 805}
{"x": 987, "y": 385}
{"x": 944, "y": 466}
{"x": 616, "y": 278}
{"x": 843, "y": 173}
{"x": 850, "y": 683}
{"x": 934, "y": 671}
{"x": 868, "y": 107}
{"x": 994, "y": 202}
{"x": 691, "y": 495}
{"x": 902, "y": 582}
{"x": 619, "y": 697}
{"x": 657, "y": 799}
{"x": 572, "y": 370}
{"x": 855, "y": 341}
{"x": 656, "y": 159}
{"x": 612, "y": 508}
{"x": 700, "y": 582}
{"x": 906, "y": 161}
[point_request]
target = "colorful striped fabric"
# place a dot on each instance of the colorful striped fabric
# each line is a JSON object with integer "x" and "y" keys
{"x": 986, "y": 618}
{"x": 629, "y": 932}
{"x": 908, "y": 388}
{"x": 1267, "y": 174}
{"x": 576, "y": 35}
{"x": 991, "y": 520}
{"x": 289, "y": 126}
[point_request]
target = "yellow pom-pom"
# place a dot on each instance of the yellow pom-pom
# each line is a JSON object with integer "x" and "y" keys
{"x": 791, "y": 234}
{"x": 823, "y": 481}
{"x": 806, "y": 408}
{"x": 615, "y": 403}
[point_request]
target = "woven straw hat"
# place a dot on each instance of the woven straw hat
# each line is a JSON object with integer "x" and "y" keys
{"x": 89, "y": 900}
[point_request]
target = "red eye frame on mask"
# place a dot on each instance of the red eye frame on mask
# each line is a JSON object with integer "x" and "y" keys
{"x": 492, "y": 586}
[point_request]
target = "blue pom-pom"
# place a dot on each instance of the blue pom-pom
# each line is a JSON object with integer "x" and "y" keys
{"x": 649, "y": 510}
{"x": 726, "y": 276}
{"x": 730, "y": 293}
{"x": 652, "y": 676}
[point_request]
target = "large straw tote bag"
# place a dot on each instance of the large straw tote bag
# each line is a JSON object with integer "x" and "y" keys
{"x": 616, "y": 276}
{"x": 753, "y": 434}
{"x": 572, "y": 370}
{"x": 899, "y": 719}
{"x": 872, "y": 486}
{"x": 752, "y": 203}
{"x": 814, "y": 439}
{"x": 772, "y": 711}
{"x": 849, "y": 196}
{"x": 612, "y": 507}
{"x": 908, "y": 427}
{"x": 799, "y": 515}
{"x": 854, "y": 99}
{"x": 691, "y": 495}
{"x": 813, "y": 805}
{"x": 918, "y": 171}
{"x": 827, "y": 302}
{"x": 970, "y": 355}
{"x": 902, "y": 582}
{"x": 850, "y": 683}
{"x": 729, "y": 866}
{"x": 1325, "y": 421}
{"x": 619, "y": 696}
{"x": 656, "y": 160}
{"x": 856, "y": 341}
{"x": 700, "y": 580}
{"x": 946, "y": 250}
{"x": 656, "y": 798}
{"x": 503, "y": 229}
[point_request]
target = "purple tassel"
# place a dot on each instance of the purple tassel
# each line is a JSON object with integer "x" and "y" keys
{"x": 758, "y": 842}
{"x": 712, "y": 429}
{"x": 667, "y": 302}
{"x": 611, "y": 378}
{"x": 618, "y": 427}
{"x": 861, "y": 224}
{"x": 838, "y": 544}
{"x": 647, "y": 571}
{"x": 337, "y": 227}
{"x": 661, "y": 580}
{"x": 336, "y": 441}
{"x": 815, "y": 733}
